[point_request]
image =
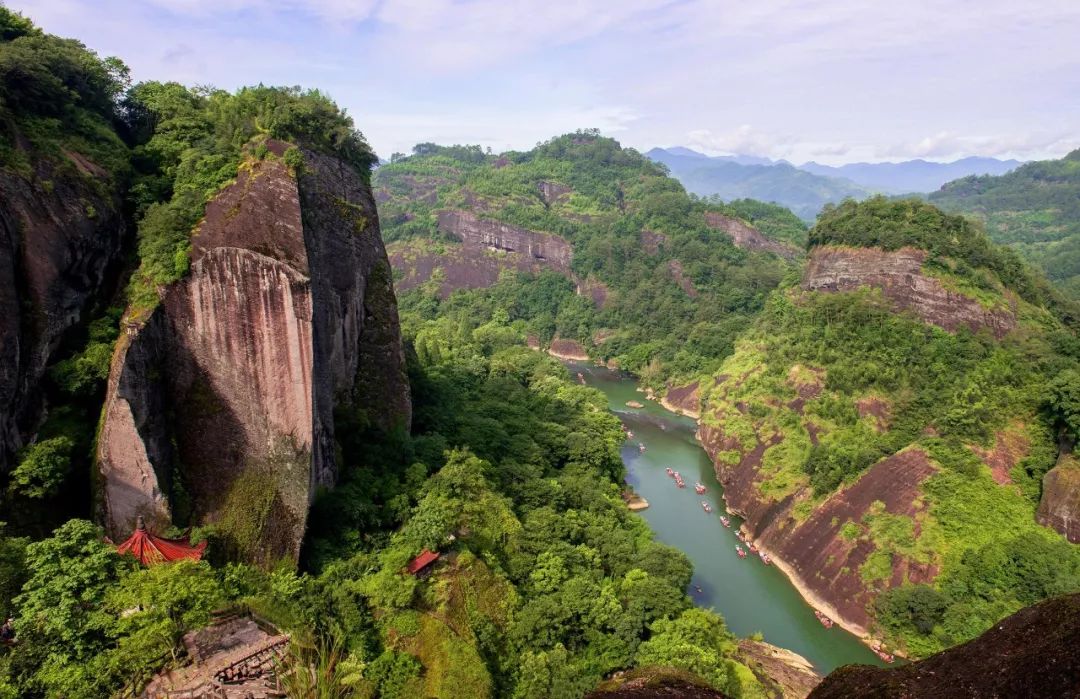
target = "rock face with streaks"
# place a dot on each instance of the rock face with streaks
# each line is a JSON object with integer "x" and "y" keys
{"x": 899, "y": 276}
{"x": 1060, "y": 504}
{"x": 222, "y": 401}
{"x": 746, "y": 236}
{"x": 61, "y": 236}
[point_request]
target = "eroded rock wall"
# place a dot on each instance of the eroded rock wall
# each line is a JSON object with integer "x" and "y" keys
{"x": 61, "y": 237}
{"x": 1060, "y": 504}
{"x": 899, "y": 276}
{"x": 746, "y": 236}
{"x": 486, "y": 249}
{"x": 287, "y": 313}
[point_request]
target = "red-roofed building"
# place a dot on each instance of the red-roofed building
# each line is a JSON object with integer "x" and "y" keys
{"x": 422, "y": 561}
{"x": 151, "y": 550}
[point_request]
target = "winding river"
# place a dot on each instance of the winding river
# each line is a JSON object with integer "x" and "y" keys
{"x": 750, "y": 595}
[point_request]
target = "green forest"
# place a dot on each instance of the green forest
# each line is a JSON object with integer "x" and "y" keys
{"x": 649, "y": 324}
{"x": 547, "y": 583}
{"x": 1034, "y": 209}
{"x": 948, "y": 394}
{"x": 512, "y": 472}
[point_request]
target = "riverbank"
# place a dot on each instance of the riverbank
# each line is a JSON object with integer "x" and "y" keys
{"x": 752, "y": 597}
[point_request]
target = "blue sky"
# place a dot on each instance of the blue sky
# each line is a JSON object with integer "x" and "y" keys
{"x": 833, "y": 81}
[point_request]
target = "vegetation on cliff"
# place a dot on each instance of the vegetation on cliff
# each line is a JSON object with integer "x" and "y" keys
{"x": 1034, "y": 209}
{"x": 188, "y": 144}
{"x": 547, "y": 582}
{"x": 832, "y": 383}
{"x": 675, "y": 290}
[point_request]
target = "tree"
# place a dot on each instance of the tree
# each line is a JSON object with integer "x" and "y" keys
{"x": 1064, "y": 402}
{"x": 42, "y": 468}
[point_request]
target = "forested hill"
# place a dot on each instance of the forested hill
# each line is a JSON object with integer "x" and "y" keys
{"x": 1035, "y": 209}
{"x": 584, "y": 242}
{"x": 887, "y": 426}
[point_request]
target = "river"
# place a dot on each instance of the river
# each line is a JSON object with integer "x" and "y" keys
{"x": 748, "y": 594}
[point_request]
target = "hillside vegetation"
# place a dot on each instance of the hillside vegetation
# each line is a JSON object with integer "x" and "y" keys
{"x": 875, "y": 382}
{"x": 1034, "y": 209}
{"x": 547, "y": 582}
{"x": 674, "y": 291}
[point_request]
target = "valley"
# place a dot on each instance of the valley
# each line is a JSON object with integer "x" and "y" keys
{"x": 281, "y": 418}
{"x": 751, "y": 596}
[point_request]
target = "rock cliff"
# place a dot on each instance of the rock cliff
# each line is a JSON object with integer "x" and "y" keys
{"x": 900, "y": 277}
{"x": 61, "y": 235}
{"x": 486, "y": 248}
{"x": 222, "y": 401}
{"x": 1029, "y": 654}
{"x": 746, "y": 236}
{"x": 1060, "y": 504}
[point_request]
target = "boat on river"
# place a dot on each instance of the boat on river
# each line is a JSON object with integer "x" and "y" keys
{"x": 725, "y": 521}
{"x": 750, "y": 545}
{"x": 706, "y": 506}
{"x": 739, "y": 550}
{"x": 699, "y": 488}
{"x": 641, "y": 446}
{"x": 765, "y": 558}
{"x": 828, "y": 623}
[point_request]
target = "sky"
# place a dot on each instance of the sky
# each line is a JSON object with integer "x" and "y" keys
{"x": 833, "y": 81}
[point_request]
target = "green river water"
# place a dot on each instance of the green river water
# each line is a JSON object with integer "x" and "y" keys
{"x": 750, "y": 595}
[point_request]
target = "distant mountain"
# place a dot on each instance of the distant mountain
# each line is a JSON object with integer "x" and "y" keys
{"x": 1035, "y": 209}
{"x": 744, "y": 177}
{"x": 911, "y": 175}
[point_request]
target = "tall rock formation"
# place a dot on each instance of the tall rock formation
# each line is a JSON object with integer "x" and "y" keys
{"x": 222, "y": 401}
{"x": 61, "y": 234}
{"x": 1059, "y": 507}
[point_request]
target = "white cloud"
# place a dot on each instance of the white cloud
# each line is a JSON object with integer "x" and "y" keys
{"x": 743, "y": 140}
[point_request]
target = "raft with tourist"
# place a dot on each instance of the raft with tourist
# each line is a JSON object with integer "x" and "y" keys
{"x": 699, "y": 488}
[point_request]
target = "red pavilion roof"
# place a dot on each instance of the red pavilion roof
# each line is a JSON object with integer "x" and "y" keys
{"x": 151, "y": 550}
{"x": 422, "y": 561}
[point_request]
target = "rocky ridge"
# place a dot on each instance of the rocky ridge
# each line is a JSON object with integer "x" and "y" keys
{"x": 61, "y": 239}
{"x": 224, "y": 396}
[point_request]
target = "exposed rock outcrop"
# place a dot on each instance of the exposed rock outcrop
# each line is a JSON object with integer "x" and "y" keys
{"x": 792, "y": 673}
{"x": 683, "y": 399}
{"x": 487, "y": 248}
{"x": 899, "y": 276}
{"x": 567, "y": 349}
{"x": 61, "y": 235}
{"x": 227, "y": 391}
{"x": 746, "y": 236}
{"x": 1060, "y": 504}
{"x": 1029, "y": 654}
{"x": 822, "y": 563}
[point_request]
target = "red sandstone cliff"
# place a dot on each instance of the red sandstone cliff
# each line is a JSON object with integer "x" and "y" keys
{"x": 61, "y": 235}
{"x": 1060, "y": 504}
{"x": 487, "y": 248}
{"x": 746, "y": 236}
{"x": 227, "y": 391}
{"x": 899, "y": 276}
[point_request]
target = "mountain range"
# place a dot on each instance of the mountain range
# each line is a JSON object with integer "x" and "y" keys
{"x": 806, "y": 188}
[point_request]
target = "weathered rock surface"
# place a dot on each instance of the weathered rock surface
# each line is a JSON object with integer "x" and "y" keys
{"x": 227, "y": 391}
{"x": 567, "y": 349}
{"x": 1060, "y": 504}
{"x": 683, "y": 399}
{"x": 61, "y": 236}
{"x": 821, "y": 562}
{"x": 792, "y": 673}
{"x": 746, "y": 236}
{"x": 898, "y": 274}
{"x": 487, "y": 248}
{"x": 1032, "y": 653}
